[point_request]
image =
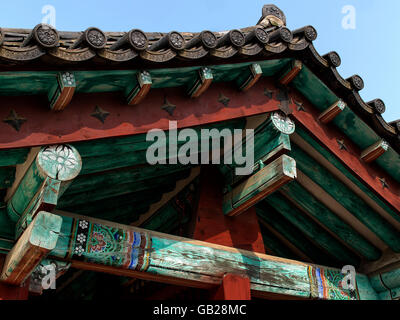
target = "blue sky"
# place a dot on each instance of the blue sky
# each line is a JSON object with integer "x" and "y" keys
{"x": 370, "y": 50}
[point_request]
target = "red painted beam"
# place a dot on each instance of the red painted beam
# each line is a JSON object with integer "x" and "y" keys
{"x": 8, "y": 292}
{"x": 327, "y": 135}
{"x": 77, "y": 123}
{"x": 233, "y": 287}
{"x": 242, "y": 232}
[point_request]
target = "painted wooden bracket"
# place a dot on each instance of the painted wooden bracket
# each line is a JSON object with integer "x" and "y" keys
{"x": 290, "y": 72}
{"x": 259, "y": 185}
{"x": 375, "y": 151}
{"x": 61, "y": 94}
{"x": 34, "y": 245}
{"x": 271, "y": 140}
{"x": 201, "y": 84}
{"x": 250, "y": 79}
{"x": 332, "y": 112}
{"x": 44, "y": 181}
{"x": 139, "y": 90}
{"x": 189, "y": 262}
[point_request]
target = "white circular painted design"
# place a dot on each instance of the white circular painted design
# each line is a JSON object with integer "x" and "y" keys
{"x": 61, "y": 162}
{"x": 283, "y": 123}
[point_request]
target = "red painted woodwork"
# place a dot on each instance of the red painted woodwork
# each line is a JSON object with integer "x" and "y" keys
{"x": 8, "y": 292}
{"x": 75, "y": 123}
{"x": 242, "y": 232}
{"x": 327, "y": 135}
{"x": 233, "y": 287}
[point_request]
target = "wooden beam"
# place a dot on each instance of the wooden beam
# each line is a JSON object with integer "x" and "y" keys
{"x": 49, "y": 173}
{"x": 375, "y": 151}
{"x": 136, "y": 92}
{"x": 270, "y": 142}
{"x": 71, "y": 126}
{"x": 62, "y": 92}
{"x": 9, "y": 292}
{"x": 211, "y": 225}
{"x": 329, "y": 114}
{"x": 347, "y": 198}
{"x": 35, "y": 243}
{"x": 259, "y": 185}
{"x": 180, "y": 185}
{"x": 104, "y": 246}
{"x": 312, "y": 230}
{"x": 291, "y": 72}
{"x": 388, "y": 259}
{"x": 281, "y": 246}
{"x": 334, "y": 166}
{"x": 387, "y": 284}
{"x": 327, "y": 135}
{"x": 249, "y": 79}
{"x": 337, "y": 227}
{"x": 201, "y": 83}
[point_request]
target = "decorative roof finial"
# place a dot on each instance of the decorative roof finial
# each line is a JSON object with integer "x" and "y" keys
{"x": 272, "y": 16}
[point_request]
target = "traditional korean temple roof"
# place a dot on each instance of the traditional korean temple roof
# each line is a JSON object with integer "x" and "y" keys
{"x": 105, "y": 90}
{"x": 46, "y": 48}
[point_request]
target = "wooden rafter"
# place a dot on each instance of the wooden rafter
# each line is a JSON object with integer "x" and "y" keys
{"x": 62, "y": 92}
{"x": 123, "y": 121}
{"x": 327, "y": 135}
{"x": 375, "y": 151}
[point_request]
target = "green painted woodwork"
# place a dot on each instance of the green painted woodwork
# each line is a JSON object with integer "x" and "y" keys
{"x": 63, "y": 81}
{"x": 37, "y": 240}
{"x": 245, "y": 79}
{"x": 56, "y": 163}
{"x": 386, "y": 280}
{"x": 365, "y": 288}
{"x": 42, "y": 82}
{"x": 312, "y": 230}
{"x": 5, "y": 245}
{"x": 46, "y": 197}
{"x": 46, "y": 230}
{"x": 268, "y": 143}
{"x": 295, "y": 236}
{"x": 345, "y": 171}
{"x": 182, "y": 259}
{"x": 200, "y": 83}
{"x": 347, "y": 198}
{"x": 134, "y": 143}
{"x": 314, "y": 89}
{"x": 7, "y": 228}
{"x": 273, "y": 246}
{"x": 161, "y": 218}
{"x": 7, "y": 175}
{"x": 166, "y": 183}
{"x": 12, "y": 157}
{"x": 113, "y": 204}
{"x": 138, "y": 87}
{"x": 320, "y": 212}
{"x": 347, "y": 121}
{"x": 259, "y": 185}
{"x": 110, "y": 179}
